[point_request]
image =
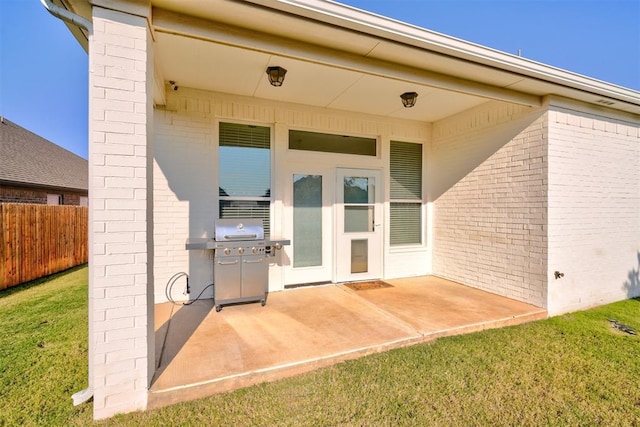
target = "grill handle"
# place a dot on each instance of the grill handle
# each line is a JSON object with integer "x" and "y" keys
{"x": 240, "y": 236}
{"x": 248, "y": 261}
{"x": 227, "y": 263}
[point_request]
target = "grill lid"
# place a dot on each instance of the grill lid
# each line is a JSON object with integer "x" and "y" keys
{"x": 234, "y": 229}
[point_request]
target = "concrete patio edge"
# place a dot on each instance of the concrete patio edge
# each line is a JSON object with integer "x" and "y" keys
{"x": 185, "y": 392}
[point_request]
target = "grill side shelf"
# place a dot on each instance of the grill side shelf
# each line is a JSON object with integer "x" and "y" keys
{"x": 193, "y": 243}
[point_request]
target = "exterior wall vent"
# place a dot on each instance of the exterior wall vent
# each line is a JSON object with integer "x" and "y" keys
{"x": 605, "y": 102}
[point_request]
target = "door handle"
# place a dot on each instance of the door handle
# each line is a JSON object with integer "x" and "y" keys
{"x": 227, "y": 263}
{"x": 248, "y": 261}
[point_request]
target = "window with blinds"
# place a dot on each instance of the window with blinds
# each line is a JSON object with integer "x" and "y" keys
{"x": 244, "y": 172}
{"x": 406, "y": 194}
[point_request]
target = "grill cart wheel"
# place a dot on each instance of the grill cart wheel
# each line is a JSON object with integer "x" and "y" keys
{"x": 218, "y": 308}
{"x": 263, "y": 302}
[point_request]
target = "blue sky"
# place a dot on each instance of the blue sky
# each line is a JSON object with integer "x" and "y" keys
{"x": 43, "y": 69}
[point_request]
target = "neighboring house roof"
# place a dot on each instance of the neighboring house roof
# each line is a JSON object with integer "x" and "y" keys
{"x": 28, "y": 159}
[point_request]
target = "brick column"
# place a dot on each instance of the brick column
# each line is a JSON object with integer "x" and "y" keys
{"x": 121, "y": 359}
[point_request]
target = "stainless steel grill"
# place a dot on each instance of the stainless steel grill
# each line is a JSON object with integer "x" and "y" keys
{"x": 241, "y": 265}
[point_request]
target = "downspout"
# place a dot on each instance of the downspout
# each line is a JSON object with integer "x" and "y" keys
{"x": 67, "y": 16}
{"x": 77, "y": 20}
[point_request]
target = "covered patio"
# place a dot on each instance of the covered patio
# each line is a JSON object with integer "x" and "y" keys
{"x": 200, "y": 352}
{"x": 505, "y": 174}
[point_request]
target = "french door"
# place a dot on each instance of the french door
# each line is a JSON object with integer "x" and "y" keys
{"x": 335, "y": 224}
{"x": 309, "y": 223}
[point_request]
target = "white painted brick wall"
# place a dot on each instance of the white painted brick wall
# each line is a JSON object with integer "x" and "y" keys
{"x": 488, "y": 184}
{"x": 185, "y": 192}
{"x": 185, "y": 176}
{"x": 121, "y": 328}
{"x": 594, "y": 208}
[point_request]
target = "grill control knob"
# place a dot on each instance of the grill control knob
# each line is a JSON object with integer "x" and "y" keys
{"x": 227, "y": 251}
{"x": 254, "y": 250}
{"x": 240, "y": 251}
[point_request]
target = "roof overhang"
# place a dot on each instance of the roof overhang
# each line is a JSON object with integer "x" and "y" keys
{"x": 343, "y": 58}
{"x": 43, "y": 186}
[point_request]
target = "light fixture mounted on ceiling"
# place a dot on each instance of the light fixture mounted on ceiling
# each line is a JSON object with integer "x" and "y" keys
{"x": 276, "y": 75}
{"x": 409, "y": 99}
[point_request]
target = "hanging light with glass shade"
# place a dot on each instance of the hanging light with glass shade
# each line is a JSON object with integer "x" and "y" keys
{"x": 409, "y": 99}
{"x": 276, "y": 75}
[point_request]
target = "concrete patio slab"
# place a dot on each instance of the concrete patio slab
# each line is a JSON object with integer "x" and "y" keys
{"x": 435, "y": 306}
{"x": 200, "y": 352}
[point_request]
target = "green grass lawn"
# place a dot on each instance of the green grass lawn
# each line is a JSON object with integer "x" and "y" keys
{"x": 43, "y": 350}
{"x": 568, "y": 370}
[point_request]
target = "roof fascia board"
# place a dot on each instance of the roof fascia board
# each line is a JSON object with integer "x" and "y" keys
{"x": 35, "y": 185}
{"x": 140, "y": 8}
{"x": 173, "y": 23}
{"x": 369, "y": 23}
{"x": 80, "y": 35}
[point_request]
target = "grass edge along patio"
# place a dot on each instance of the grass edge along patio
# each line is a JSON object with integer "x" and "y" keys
{"x": 572, "y": 369}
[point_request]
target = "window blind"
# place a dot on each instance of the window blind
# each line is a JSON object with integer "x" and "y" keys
{"x": 244, "y": 172}
{"x": 247, "y": 209}
{"x": 406, "y": 224}
{"x": 405, "y": 168}
{"x": 238, "y": 135}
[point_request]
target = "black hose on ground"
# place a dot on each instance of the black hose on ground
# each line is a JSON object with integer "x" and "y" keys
{"x": 198, "y": 297}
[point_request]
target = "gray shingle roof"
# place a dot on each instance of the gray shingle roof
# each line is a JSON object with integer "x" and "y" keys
{"x": 27, "y": 158}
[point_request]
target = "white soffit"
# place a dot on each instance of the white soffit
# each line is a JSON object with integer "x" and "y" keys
{"x": 410, "y": 56}
{"x": 543, "y": 88}
{"x": 204, "y": 65}
{"x": 259, "y": 19}
{"x": 379, "y": 96}
{"x": 210, "y": 66}
{"x": 473, "y": 73}
{"x": 373, "y": 25}
{"x": 306, "y": 83}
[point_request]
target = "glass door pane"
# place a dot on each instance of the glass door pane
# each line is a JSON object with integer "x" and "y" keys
{"x": 307, "y": 220}
{"x": 356, "y": 190}
{"x": 359, "y": 199}
{"x": 358, "y": 219}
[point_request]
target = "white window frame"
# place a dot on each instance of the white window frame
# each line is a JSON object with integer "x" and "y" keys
{"x": 409, "y": 201}
{"x": 271, "y": 172}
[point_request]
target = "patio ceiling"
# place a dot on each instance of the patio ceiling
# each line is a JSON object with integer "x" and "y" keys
{"x": 204, "y": 65}
{"x": 203, "y": 47}
{"x": 341, "y": 57}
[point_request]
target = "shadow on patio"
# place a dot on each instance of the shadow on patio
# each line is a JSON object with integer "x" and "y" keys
{"x": 200, "y": 352}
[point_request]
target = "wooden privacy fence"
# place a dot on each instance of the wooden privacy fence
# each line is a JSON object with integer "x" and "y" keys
{"x": 38, "y": 240}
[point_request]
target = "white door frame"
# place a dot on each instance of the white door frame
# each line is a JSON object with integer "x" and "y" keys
{"x": 373, "y": 237}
